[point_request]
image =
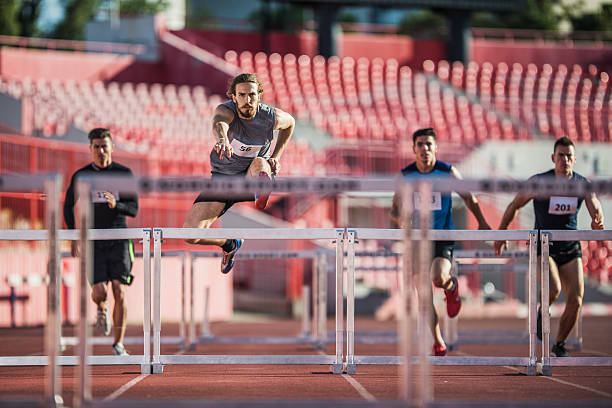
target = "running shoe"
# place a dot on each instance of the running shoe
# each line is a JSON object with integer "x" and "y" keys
{"x": 559, "y": 349}
{"x": 438, "y": 349}
{"x": 453, "y": 300}
{"x": 228, "y": 257}
{"x": 103, "y": 321}
{"x": 261, "y": 200}
{"x": 119, "y": 350}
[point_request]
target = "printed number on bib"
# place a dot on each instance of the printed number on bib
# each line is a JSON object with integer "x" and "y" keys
{"x": 98, "y": 196}
{"x": 245, "y": 150}
{"x": 562, "y": 205}
{"x": 435, "y": 202}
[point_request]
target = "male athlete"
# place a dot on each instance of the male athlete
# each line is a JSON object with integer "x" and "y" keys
{"x": 565, "y": 262}
{"x": 426, "y": 165}
{"x": 112, "y": 260}
{"x": 243, "y": 129}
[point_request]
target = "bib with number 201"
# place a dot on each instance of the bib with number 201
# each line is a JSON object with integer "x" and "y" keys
{"x": 435, "y": 202}
{"x": 562, "y": 205}
{"x": 98, "y": 196}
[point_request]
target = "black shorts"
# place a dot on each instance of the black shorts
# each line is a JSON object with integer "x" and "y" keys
{"x": 444, "y": 249}
{"x": 563, "y": 253}
{"x": 212, "y": 197}
{"x": 112, "y": 260}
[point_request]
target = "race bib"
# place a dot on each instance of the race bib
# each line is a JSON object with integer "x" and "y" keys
{"x": 435, "y": 201}
{"x": 245, "y": 150}
{"x": 562, "y": 205}
{"x": 98, "y": 196}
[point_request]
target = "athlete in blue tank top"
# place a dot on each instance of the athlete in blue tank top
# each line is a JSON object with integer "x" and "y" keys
{"x": 426, "y": 165}
{"x": 243, "y": 130}
{"x": 565, "y": 260}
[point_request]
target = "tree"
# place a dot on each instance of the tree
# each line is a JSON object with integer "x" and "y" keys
{"x": 600, "y": 20}
{"x": 282, "y": 18}
{"x": 8, "y": 17}
{"x": 423, "y": 23}
{"x": 28, "y": 17}
{"x": 139, "y": 7}
{"x": 77, "y": 14}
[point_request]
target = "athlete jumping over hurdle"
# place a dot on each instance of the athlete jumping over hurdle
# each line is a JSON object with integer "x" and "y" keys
{"x": 426, "y": 165}
{"x": 243, "y": 129}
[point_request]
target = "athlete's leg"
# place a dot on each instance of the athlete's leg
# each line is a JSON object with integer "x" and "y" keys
{"x": 573, "y": 286}
{"x": 120, "y": 310}
{"x": 259, "y": 165}
{"x": 98, "y": 295}
{"x": 554, "y": 283}
{"x": 441, "y": 273}
{"x": 202, "y": 215}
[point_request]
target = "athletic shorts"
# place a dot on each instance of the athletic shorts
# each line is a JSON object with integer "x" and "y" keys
{"x": 563, "y": 254}
{"x": 213, "y": 197}
{"x": 444, "y": 249}
{"x": 112, "y": 260}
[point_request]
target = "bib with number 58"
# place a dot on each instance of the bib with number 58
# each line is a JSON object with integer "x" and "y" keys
{"x": 562, "y": 205}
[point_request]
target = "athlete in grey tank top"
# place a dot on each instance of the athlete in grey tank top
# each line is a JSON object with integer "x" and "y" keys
{"x": 243, "y": 129}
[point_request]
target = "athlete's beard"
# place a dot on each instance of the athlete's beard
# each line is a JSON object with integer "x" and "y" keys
{"x": 247, "y": 111}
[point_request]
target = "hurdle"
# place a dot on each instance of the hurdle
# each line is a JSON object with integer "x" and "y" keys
{"x": 547, "y": 362}
{"x": 335, "y": 235}
{"x": 308, "y": 335}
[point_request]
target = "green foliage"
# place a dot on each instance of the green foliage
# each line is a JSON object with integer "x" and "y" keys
{"x": 486, "y": 19}
{"x": 77, "y": 14}
{"x": 600, "y": 20}
{"x": 8, "y": 17}
{"x": 537, "y": 15}
{"x": 28, "y": 17}
{"x": 423, "y": 23}
{"x": 140, "y": 7}
{"x": 199, "y": 17}
{"x": 283, "y": 18}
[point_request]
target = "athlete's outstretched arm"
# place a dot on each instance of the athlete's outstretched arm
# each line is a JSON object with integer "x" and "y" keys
{"x": 222, "y": 118}
{"x": 595, "y": 210}
{"x": 519, "y": 202}
{"x": 284, "y": 124}
{"x": 471, "y": 202}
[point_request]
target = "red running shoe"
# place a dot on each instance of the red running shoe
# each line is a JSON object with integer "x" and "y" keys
{"x": 453, "y": 300}
{"x": 261, "y": 200}
{"x": 438, "y": 350}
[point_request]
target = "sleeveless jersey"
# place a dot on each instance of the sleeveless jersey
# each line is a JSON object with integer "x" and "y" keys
{"x": 249, "y": 139}
{"x": 557, "y": 212}
{"x": 441, "y": 204}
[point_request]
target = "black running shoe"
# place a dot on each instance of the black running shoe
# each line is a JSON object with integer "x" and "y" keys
{"x": 539, "y": 324}
{"x": 559, "y": 349}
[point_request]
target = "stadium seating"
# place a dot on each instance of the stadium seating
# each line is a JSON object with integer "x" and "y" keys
{"x": 549, "y": 101}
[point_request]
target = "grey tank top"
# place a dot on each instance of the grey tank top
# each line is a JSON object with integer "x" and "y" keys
{"x": 249, "y": 139}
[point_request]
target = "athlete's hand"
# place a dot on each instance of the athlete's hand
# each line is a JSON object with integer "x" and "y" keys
{"x": 110, "y": 199}
{"x": 597, "y": 224}
{"x": 500, "y": 246}
{"x": 222, "y": 147}
{"x": 274, "y": 165}
{"x": 75, "y": 248}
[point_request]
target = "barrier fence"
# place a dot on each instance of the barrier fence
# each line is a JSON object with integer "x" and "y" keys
{"x": 414, "y": 277}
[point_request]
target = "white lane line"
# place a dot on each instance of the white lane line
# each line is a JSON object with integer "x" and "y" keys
{"x": 582, "y": 387}
{"x": 126, "y": 387}
{"x": 360, "y": 388}
{"x": 130, "y": 384}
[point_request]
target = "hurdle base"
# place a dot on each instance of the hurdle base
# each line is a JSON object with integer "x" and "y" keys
{"x": 547, "y": 370}
{"x": 531, "y": 370}
{"x": 337, "y": 368}
{"x": 145, "y": 369}
{"x": 351, "y": 368}
{"x": 157, "y": 368}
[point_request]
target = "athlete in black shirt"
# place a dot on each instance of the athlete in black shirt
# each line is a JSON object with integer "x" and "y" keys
{"x": 112, "y": 260}
{"x": 565, "y": 256}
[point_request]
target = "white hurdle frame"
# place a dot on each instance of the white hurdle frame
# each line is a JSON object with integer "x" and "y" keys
{"x": 458, "y": 235}
{"x": 304, "y": 337}
{"x": 334, "y": 234}
{"x": 547, "y": 362}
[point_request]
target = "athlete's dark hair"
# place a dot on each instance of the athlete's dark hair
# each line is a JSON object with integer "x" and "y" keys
{"x": 99, "y": 133}
{"x": 423, "y": 132}
{"x": 241, "y": 79}
{"x": 563, "y": 141}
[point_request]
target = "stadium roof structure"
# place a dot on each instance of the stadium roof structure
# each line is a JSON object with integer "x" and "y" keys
{"x": 470, "y": 5}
